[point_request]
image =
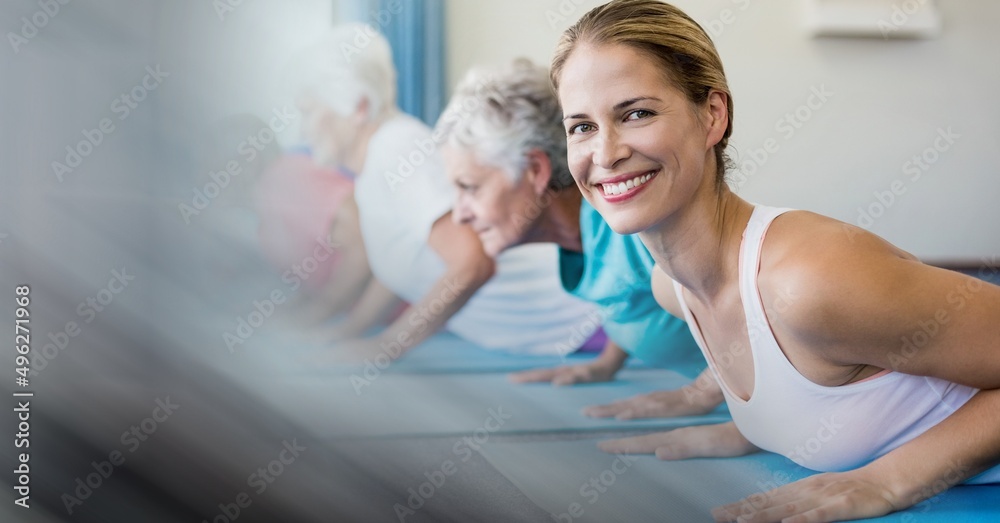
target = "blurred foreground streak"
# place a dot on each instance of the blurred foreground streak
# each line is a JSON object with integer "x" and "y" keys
{"x": 131, "y": 421}
{"x": 104, "y": 111}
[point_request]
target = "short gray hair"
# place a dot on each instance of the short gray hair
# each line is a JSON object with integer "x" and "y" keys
{"x": 502, "y": 114}
{"x": 353, "y": 62}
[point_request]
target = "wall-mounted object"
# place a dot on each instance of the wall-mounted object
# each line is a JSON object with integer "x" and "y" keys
{"x": 873, "y": 18}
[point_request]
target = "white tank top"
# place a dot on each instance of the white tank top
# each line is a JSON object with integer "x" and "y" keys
{"x": 829, "y": 429}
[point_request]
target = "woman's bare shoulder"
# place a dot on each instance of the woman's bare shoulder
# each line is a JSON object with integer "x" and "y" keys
{"x": 851, "y": 297}
{"x": 817, "y": 273}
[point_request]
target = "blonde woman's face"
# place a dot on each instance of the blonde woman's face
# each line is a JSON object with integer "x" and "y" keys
{"x": 637, "y": 147}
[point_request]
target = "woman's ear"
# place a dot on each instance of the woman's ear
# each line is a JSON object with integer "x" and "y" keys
{"x": 538, "y": 171}
{"x": 362, "y": 112}
{"x": 717, "y": 108}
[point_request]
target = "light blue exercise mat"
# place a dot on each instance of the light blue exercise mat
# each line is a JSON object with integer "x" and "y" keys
{"x": 456, "y": 404}
{"x": 575, "y": 481}
{"x": 443, "y": 353}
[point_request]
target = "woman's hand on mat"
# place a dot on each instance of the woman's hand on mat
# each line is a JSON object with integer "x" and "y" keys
{"x": 567, "y": 374}
{"x": 822, "y": 498}
{"x": 659, "y": 404}
{"x": 703, "y": 441}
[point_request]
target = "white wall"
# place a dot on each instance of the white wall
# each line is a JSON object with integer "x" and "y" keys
{"x": 236, "y": 61}
{"x": 889, "y": 101}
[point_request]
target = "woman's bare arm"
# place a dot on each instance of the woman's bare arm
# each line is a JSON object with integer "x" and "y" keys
{"x": 853, "y": 299}
{"x": 468, "y": 268}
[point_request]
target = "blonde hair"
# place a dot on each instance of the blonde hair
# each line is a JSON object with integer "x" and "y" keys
{"x": 677, "y": 43}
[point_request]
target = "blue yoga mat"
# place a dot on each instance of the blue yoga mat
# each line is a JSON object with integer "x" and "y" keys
{"x": 456, "y": 404}
{"x": 575, "y": 481}
{"x": 443, "y": 353}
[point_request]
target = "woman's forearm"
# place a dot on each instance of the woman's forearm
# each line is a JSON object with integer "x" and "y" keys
{"x": 423, "y": 319}
{"x": 375, "y": 306}
{"x": 704, "y": 390}
{"x": 961, "y": 446}
{"x": 612, "y": 357}
{"x": 347, "y": 284}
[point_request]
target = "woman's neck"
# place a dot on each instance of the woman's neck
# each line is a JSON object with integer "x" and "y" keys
{"x": 699, "y": 245}
{"x": 559, "y": 220}
{"x": 358, "y": 154}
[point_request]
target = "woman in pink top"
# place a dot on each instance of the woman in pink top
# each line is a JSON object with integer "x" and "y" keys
{"x": 831, "y": 346}
{"x": 308, "y": 231}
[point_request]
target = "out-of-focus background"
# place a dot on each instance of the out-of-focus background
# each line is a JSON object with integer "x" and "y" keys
{"x": 118, "y": 117}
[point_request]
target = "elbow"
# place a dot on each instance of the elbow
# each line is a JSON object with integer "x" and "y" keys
{"x": 474, "y": 272}
{"x": 482, "y": 270}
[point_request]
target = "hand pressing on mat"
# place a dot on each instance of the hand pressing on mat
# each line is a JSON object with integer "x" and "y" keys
{"x": 905, "y": 476}
{"x": 699, "y": 397}
{"x": 603, "y": 368}
{"x": 722, "y": 440}
{"x": 821, "y": 498}
{"x": 567, "y": 374}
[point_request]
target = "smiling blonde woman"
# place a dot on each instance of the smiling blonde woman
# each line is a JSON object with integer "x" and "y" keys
{"x": 800, "y": 317}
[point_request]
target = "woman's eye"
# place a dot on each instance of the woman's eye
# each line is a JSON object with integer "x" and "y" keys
{"x": 581, "y": 128}
{"x": 639, "y": 114}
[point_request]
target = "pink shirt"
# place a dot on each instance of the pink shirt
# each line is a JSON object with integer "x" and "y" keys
{"x": 297, "y": 201}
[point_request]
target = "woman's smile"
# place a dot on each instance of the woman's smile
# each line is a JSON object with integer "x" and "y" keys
{"x": 624, "y": 187}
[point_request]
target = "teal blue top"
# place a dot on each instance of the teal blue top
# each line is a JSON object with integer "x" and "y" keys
{"x": 614, "y": 272}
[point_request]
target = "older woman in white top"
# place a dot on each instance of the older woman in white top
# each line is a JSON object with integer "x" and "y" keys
{"x": 416, "y": 251}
